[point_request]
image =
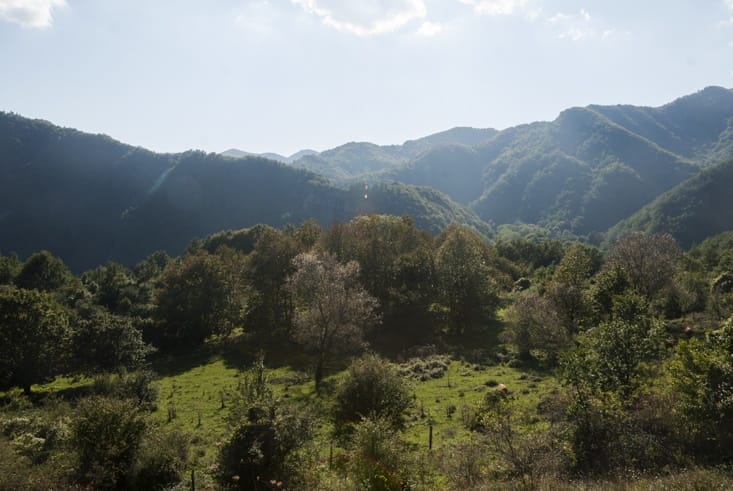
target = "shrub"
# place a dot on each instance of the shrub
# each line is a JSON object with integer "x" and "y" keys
{"x": 269, "y": 438}
{"x": 377, "y": 456}
{"x": 106, "y": 434}
{"x": 161, "y": 461}
{"x": 372, "y": 387}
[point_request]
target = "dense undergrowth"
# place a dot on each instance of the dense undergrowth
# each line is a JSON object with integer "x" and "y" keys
{"x": 371, "y": 356}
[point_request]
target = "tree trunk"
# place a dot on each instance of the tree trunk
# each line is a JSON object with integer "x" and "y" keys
{"x": 27, "y": 389}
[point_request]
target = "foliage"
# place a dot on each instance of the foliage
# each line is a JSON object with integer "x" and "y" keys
{"x": 611, "y": 355}
{"x": 200, "y": 295}
{"x": 137, "y": 386}
{"x": 10, "y": 266}
{"x": 161, "y": 460}
{"x": 396, "y": 267}
{"x": 692, "y": 211}
{"x": 533, "y": 325}
{"x": 106, "y": 434}
{"x": 106, "y": 342}
{"x": 568, "y": 289}
{"x": 377, "y": 459}
{"x": 468, "y": 291}
{"x": 43, "y": 271}
{"x": 702, "y": 374}
{"x": 372, "y": 388}
{"x": 649, "y": 261}
{"x": 269, "y": 310}
{"x": 34, "y": 337}
{"x": 332, "y": 310}
{"x": 268, "y": 439}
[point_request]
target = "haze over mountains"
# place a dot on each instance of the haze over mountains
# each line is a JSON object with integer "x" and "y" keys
{"x": 90, "y": 199}
{"x": 566, "y": 174}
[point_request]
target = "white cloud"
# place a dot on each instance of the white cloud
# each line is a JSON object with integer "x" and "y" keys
{"x": 365, "y": 17}
{"x": 29, "y": 13}
{"x": 496, "y": 7}
{"x": 728, "y": 22}
{"x": 581, "y": 26}
{"x": 429, "y": 29}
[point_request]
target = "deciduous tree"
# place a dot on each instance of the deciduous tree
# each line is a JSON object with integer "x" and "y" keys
{"x": 332, "y": 309}
{"x": 34, "y": 337}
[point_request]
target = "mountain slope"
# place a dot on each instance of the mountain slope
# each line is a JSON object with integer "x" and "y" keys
{"x": 237, "y": 154}
{"x": 696, "y": 209}
{"x": 359, "y": 160}
{"x": 90, "y": 199}
{"x": 587, "y": 169}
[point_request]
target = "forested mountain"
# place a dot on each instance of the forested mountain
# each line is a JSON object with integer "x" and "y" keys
{"x": 588, "y": 168}
{"x": 696, "y": 209}
{"x": 355, "y": 160}
{"x": 581, "y": 173}
{"x": 235, "y": 153}
{"x": 90, "y": 199}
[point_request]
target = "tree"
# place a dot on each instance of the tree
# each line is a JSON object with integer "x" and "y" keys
{"x": 200, "y": 295}
{"x": 43, "y": 271}
{"x": 649, "y": 261}
{"x": 702, "y": 380}
{"x": 9, "y": 267}
{"x": 468, "y": 292}
{"x": 269, "y": 309}
{"x": 396, "y": 267}
{"x": 568, "y": 288}
{"x": 109, "y": 343}
{"x": 534, "y": 324}
{"x": 113, "y": 287}
{"x": 34, "y": 337}
{"x": 332, "y": 310}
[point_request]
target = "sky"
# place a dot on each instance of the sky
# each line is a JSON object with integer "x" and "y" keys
{"x": 284, "y": 75}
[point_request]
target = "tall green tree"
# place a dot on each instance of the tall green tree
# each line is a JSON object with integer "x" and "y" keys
{"x": 200, "y": 294}
{"x": 34, "y": 337}
{"x": 43, "y": 271}
{"x": 568, "y": 290}
{"x": 107, "y": 342}
{"x": 269, "y": 310}
{"x": 468, "y": 290}
{"x": 9, "y": 267}
{"x": 397, "y": 267}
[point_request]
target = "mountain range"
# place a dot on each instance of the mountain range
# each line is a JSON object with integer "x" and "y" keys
{"x": 567, "y": 174}
{"x": 592, "y": 171}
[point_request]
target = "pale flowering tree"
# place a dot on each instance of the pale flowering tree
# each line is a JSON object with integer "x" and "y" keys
{"x": 332, "y": 310}
{"x": 649, "y": 261}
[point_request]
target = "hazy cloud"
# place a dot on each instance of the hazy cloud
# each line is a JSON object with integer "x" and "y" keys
{"x": 581, "y": 26}
{"x": 365, "y": 17}
{"x": 428, "y": 29}
{"x": 729, "y": 21}
{"x": 575, "y": 27}
{"x": 29, "y": 13}
{"x": 524, "y": 8}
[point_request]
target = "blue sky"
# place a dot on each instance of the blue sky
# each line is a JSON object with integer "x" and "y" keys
{"x": 282, "y": 75}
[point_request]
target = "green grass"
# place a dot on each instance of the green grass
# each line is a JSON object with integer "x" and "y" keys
{"x": 464, "y": 385}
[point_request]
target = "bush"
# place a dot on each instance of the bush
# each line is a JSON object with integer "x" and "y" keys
{"x": 107, "y": 434}
{"x": 161, "y": 461}
{"x": 136, "y": 385}
{"x": 426, "y": 368}
{"x": 269, "y": 439}
{"x": 372, "y": 387}
{"x": 377, "y": 456}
